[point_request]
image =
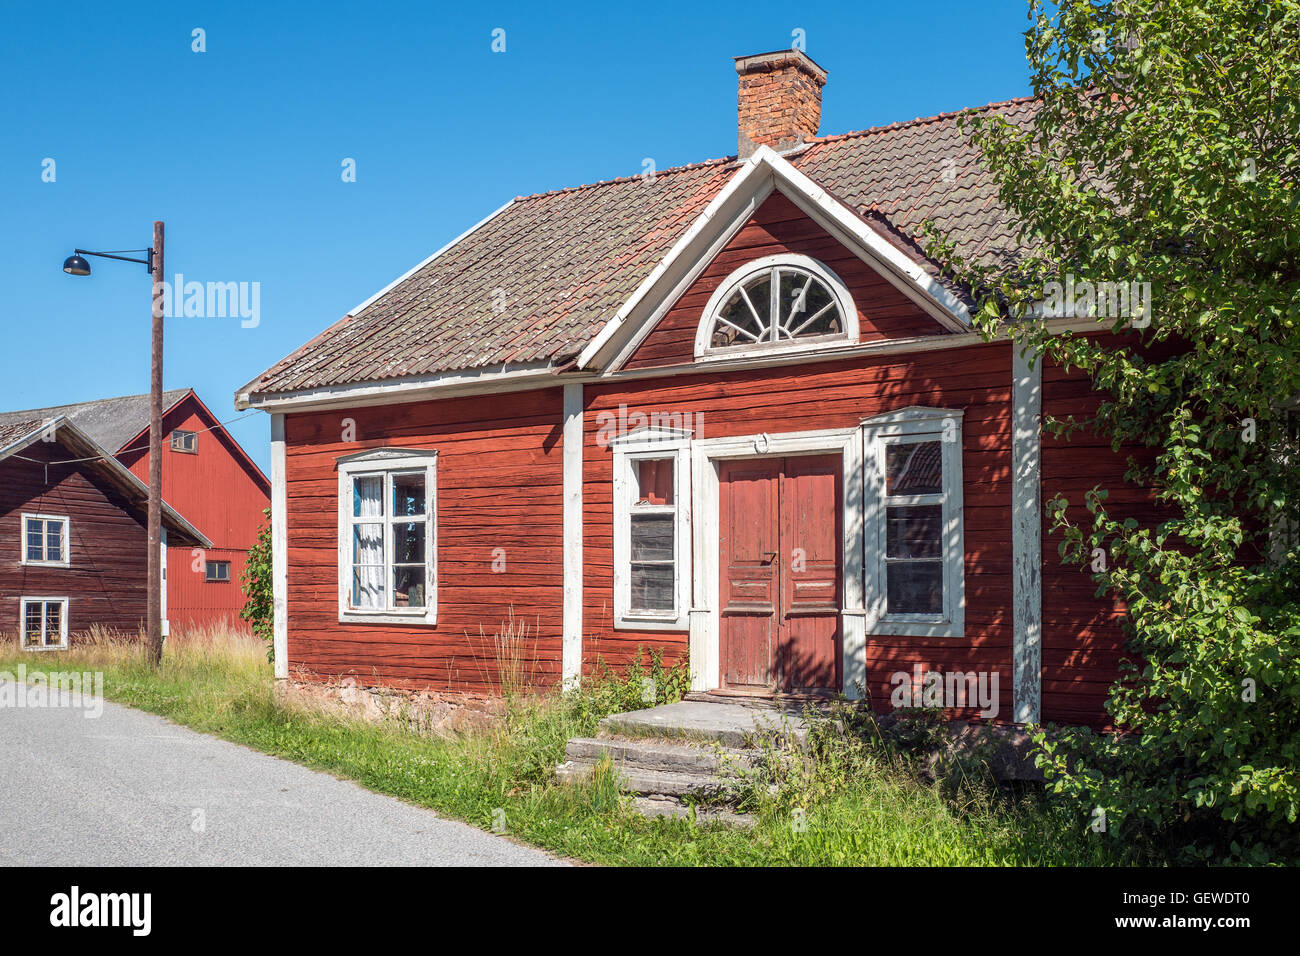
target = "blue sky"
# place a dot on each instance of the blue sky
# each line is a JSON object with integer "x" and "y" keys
{"x": 240, "y": 148}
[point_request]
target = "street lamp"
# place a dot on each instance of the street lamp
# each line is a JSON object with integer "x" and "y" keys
{"x": 77, "y": 265}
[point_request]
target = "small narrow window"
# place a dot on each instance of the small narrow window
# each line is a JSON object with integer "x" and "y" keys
{"x": 218, "y": 571}
{"x": 915, "y": 556}
{"x": 185, "y": 441}
{"x": 43, "y": 623}
{"x": 387, "y": 530}
{"x": 651, "y": 536}
{"x": 45, "y": 540}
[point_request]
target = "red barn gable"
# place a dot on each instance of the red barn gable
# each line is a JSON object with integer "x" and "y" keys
{"x": 730, "y": 411}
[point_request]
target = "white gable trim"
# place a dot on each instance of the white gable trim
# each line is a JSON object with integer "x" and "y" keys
{"x": 763, "y": 172}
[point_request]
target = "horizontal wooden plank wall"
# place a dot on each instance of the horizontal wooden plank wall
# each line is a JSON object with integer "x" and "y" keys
{"x": 779, "y": 226}
{"x": 217, "y": 492}
{"x": 1083, "y": 636}
{"x": 499, "y": 487}
{"x": 976, "y": 379}
{"x": 105, "y": 584}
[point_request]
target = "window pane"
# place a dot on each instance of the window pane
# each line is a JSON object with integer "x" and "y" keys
{"x": 915, "y": 587}
{"x": 746, "y": 322}
{"x": 652, "y": 587}
{"x": 914, "y": 532}
{"x": 368, "y": 544}
{"x": 652, "y": 537}
{"x": 408, "y": 586}
{"x": 53, "y": 623}
{"x": 368, "y": 586}
{"x": 408, "y": 543}
{"x": 35, "y": 541}
{"x": 408, "y": 494}
{"x": 368, "y": 496}
{"x": 54, "y": 541}
{"x": 32, "y": 619}
{"x": 914, "y": 468}
{"x": 804, "y": 306}
{"x": 654, "y": 481}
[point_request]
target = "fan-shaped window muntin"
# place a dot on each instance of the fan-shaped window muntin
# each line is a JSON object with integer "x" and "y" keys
{"x": 781, "y": 302}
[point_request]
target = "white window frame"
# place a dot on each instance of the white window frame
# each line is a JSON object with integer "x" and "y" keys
{"x": 22, "y": 622}
{"x": 704, "y": 351}
{"x": 213, "y": 562}
{"x": 628, "y": 450}
{"x": 190, "y": 435}
{"x": 906, "y": 426}
{"x": 64, "y": 547}
{"x": 387, "y": 461}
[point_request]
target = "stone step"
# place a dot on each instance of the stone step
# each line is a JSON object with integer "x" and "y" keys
{"x": 670, "y": 807}
{"x": 663, "y": 783}
{"x": 732, "y": 725}
{"x": 653, "y": 753}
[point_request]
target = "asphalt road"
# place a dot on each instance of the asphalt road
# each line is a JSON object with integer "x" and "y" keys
{"x": 130, "y": 789}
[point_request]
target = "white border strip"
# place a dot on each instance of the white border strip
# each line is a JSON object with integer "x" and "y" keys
{"x": 1026, "y": 538}
{"x": 279, "y": 549}
{"x": 571, "y": 644}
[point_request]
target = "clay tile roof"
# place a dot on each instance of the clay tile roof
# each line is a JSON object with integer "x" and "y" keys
{"x": 540, "y": 278}
{"x": 110, "y": 422}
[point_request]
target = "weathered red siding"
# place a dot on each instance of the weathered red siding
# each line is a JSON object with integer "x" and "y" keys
{"x": 779, "y": 226}
{"x": 499, "y": 487}
{"x": 105, "y": 583}
{"x": 223, "y": 495}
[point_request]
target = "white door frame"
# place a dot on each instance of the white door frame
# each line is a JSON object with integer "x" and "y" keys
{"x": 707, "y": 456}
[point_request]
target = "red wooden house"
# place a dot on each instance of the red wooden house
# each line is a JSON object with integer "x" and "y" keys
{"x": 207, "y": 478}
{"x": 73, "y": 536}
{"x": 730, "y": 410}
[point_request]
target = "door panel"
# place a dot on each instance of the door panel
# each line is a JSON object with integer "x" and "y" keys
{"x": 810, "y": 515}
{"x": 780, "y": 568}
{"x": 750, "y": 549}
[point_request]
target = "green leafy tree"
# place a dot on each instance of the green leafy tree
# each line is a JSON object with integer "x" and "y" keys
{"x": 1166, "y": 150}
{"x": 255, "y": 582}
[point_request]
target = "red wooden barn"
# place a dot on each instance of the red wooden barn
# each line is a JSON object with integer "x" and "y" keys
{"x": 207, "y": 478}
{"x": 729, "y": 410}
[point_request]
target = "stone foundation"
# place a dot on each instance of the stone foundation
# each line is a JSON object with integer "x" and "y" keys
{"x": 440, "y": 713}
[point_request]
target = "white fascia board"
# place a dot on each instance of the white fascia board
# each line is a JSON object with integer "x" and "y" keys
{"x": 731, "y": 194}
{"x": 762, "y": 172}
{"x": 501, "y": 378}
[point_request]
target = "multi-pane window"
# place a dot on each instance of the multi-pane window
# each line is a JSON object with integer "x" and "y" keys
{"x": 914, "y": 543}
{"x": 387, "y": 530}
{"x": 651, "y": 531}
{"x": 217, "y": 571}
{"x": 780, "y": 302}
{"x": 44, "y": 622}
{"x": 45, "y": 539}
{"x": 185, "y": 441}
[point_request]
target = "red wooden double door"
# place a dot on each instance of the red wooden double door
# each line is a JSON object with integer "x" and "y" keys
{"x": 780, "y": 561}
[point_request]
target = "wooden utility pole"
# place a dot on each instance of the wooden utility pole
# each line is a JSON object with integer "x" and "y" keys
{"x": 154, "y": 608}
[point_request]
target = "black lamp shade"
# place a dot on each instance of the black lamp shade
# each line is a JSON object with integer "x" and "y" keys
{"x": 76, "y": 266}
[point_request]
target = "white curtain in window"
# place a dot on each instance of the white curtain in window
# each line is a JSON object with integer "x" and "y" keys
{"x": 368, "y": 543}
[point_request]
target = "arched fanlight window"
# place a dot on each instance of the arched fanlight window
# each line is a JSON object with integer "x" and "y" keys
{"x": 782, "y": 303}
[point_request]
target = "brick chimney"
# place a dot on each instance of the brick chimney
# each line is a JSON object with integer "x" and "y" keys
{"x": 780, "y": 100}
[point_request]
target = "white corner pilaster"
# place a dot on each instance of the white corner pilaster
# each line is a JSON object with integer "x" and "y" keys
{"x": 279, "y": 550}
{"x": 1026, "y": 535}
{"x": 571, "y": 647}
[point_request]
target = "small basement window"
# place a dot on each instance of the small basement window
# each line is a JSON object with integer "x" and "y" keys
{"x": 45, "y": 540}
{"x": 43, "y": 623}
{"x": 217, "y": 571}
{"x": 915, "y": 551}
{"x": 388, "y": 536}
{"x": 652, "y": 530}
{"x": 185, "y": 441}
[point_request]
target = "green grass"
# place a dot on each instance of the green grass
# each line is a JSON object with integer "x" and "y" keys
{"x": 853, "y": 805}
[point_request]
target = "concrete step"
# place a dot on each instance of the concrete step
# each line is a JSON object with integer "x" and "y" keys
{"x": 653, "y": 753}
{"x": 732, "y": 725}
{"x": 663, "y": 783}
